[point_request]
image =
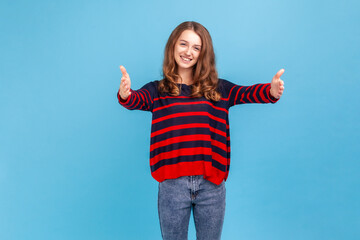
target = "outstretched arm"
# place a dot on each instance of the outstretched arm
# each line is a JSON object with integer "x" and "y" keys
{"x": 141, "y": 99}
{"x": 257, "y": 93}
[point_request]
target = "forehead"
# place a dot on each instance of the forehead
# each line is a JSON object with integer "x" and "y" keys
{"x": 191, "y": 37}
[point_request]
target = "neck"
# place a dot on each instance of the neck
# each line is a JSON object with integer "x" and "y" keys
{"x": 186, "y": 76}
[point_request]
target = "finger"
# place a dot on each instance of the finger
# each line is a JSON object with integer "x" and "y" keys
{"x": 279, "y": 73}
{"x": 124, "y": 81}
{"x": 123, "y": 71}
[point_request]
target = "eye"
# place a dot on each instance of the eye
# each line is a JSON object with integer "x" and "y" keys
{"x": 182, "y": 44}
{"x": 197, "y": 49}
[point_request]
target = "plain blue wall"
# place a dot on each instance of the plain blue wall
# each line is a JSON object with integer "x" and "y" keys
{"x": 74, "y": 163}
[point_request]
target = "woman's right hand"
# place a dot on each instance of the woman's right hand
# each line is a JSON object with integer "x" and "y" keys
{"x": 125, "y": 84}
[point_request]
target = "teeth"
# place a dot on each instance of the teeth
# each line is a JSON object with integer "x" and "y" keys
{"x": 186, "y": 59}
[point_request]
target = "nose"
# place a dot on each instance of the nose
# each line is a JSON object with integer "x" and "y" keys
{"x": 188, "y": 51}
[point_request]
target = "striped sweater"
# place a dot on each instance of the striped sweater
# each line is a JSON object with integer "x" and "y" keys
{"x": 190, "y": 136}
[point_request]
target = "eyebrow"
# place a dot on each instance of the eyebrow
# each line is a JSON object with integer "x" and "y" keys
{"x": 188, "y": 42}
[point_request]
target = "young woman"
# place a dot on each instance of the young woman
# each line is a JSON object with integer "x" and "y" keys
{"x": 190, "y": 142}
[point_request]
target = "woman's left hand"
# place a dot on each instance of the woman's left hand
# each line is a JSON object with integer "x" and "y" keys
{"x": 277, "y": 85}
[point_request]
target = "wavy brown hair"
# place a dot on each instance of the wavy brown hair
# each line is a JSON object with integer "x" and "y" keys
{"x": 205, "y": 77}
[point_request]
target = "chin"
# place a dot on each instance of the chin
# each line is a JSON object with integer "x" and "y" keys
{"x": 184, "y": 66}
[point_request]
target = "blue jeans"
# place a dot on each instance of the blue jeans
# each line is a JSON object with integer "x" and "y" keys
{"x": 177, "y": 197}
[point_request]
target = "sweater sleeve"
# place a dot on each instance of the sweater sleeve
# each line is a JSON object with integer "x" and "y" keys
{"x": 236, "y": 94}
{"x": 141, "y": 99}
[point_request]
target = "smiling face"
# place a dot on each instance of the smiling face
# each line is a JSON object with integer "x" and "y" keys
{"x": 187, "y": 50}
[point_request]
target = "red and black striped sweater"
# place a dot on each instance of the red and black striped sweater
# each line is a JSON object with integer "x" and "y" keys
{"x": 190, "y": 136}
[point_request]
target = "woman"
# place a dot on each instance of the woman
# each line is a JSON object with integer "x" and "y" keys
{"x": 190, "y": 142}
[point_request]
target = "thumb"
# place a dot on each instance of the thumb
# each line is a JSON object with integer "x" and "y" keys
{"x": 123, "y": 70}
{"x": 279, "y": 73}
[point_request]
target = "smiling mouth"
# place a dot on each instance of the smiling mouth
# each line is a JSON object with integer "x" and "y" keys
{"x": 185, "y": 59}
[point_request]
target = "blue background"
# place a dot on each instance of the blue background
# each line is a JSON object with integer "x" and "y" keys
{"x": 74, "y": 163}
